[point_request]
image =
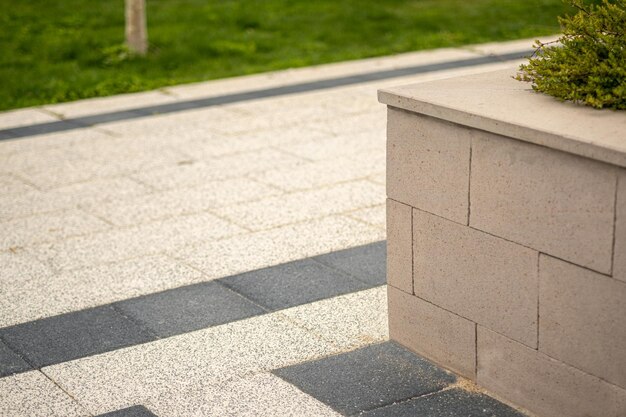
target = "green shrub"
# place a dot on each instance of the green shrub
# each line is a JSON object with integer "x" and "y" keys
{"x": 587, "y": 64}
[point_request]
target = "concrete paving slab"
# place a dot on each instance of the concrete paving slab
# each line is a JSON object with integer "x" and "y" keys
{"x": 497, "y": 48}
{"x": 74, "y": 335}
{"x": 333, "y": 147}
{"x": 82, "y": 194}
{"x": 10, "y": 362}
{"x": 67, "y": 172}
{"x": 366, "y": 263}
{"x": 52, "y": 294}
{"x": 274, "y": 120}
{"x": 11, "y": 184}
{"x": 353, "y": 166}
{"x": 330, "y": 102}
{"x": 34, "y": 202}
{"x": 280, "y": 136}
{"x": 374, "y": 86}
{"x": 99, "y": 191}
{"x": 376, "y": 216}
{"x": 365, "y": 122}
{"x": 24, "y": 117}
{"x": 379, "y": 178}
{"x": 20, "y": 267}
{"x": 304, "y": 205}
{"x": 51, "y": 140}
{"x": 208, "y": 148}
{"x": 36, "y": 159}
{"x": 133, "y": 152}
{"x": 231, "y": 166}
{"x": 117, "y": 245}
{"x": 292, "y": 284}
{"x": 108, "y": 104}
{"x": 367, "y": 378}
{"x": 32, "y": 394}
{"x": 226, "y": 86}
{"x": 51, "y": 227}
{"x": 189, "y": 308}
{"x": 123, "y": 155}
{"x": 448, "y": 403}
{"x": 176, "y": 202}
{"x": 171, "y": 124}
{"x": 272, "y": 247}
{"x": 348, "y": 321}
{"x": 368, "y": 65}
{"x": 260, "y": 395}
{"x": 194, "y": 360}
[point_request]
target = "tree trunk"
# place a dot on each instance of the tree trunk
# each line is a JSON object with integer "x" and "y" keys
{"x": 136, "y": 29}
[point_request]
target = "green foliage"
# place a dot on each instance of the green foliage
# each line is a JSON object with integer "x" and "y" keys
{"x": 62, "y": 50}
{"x": 588, "y": 64}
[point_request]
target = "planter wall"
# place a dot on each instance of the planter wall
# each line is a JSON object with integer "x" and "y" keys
{"x": 507, "y": 241}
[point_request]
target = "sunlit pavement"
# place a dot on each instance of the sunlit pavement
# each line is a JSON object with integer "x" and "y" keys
{"x": 135, "y": 229}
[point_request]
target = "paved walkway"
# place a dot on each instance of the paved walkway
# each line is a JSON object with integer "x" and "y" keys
{"x": 123, "y": 218}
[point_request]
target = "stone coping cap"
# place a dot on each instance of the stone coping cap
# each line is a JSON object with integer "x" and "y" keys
{"x": 497, "y": 103}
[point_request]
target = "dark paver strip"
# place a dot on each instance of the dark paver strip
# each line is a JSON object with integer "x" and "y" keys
{"x": 366, "y": 263}
{"x": 450, "y": 403}
{"x": 78, "y": 122}
{"x": 74, "y": 335}
{"x": 135, "y": 411}
{"x": 10, "y": 362}
{"x": 293, "y": 284}
{"x": 189, "y": 308}
{"x": 367, "y": 378}
{"x": 138, "y": 320}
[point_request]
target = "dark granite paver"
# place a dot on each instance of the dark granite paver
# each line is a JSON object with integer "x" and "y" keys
{"x": 74, "y": 335}
{"x": 189, "y": 308}
{"x": 293, "y": 284}
{"x": 10, "y": 362}
{"x": 451, "y": 403}
{"x": 367, "y": 263}
{"x": 135, "y": 411}
{"x": 367, "y": 378}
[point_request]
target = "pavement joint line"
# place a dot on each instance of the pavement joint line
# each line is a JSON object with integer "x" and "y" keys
{"x": 66, "y": 392}
{"x": 32, "y": 340}
{"x": 306, "y": 376}
{"x": 323, "y": 84}
{"x": 385, "y": 378}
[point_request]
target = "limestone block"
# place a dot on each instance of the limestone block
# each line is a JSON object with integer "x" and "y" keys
{"x": 428, "y": 164}
{"x": 399, "y": 246}
{"x": 582, "y": 317}
{"x": 557, "y": 203}
{"x": 541, "y": 384}
{"x": 483, "y": 278}
{"x": 619, "y": 252}
{"x": 435, "y": 333}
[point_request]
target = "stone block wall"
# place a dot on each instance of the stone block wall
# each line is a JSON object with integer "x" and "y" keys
{"x": 507, "y": 264}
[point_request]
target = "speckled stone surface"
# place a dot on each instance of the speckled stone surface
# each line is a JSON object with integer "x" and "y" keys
{"x": 191, "y": 196}
{"x": 73, "y": 335}
{"x": 10, "y": 362}
{"x": 32, "y": 394}
{"x": 450, "y": 403}
{"x": 293, "y": 284}
{"x": 366, "y": 263}
{"x": 189, "y": 308}
{"x": 192, "y": 360}
{"x": 367, "y": 378}
{"x": 348, "y": 321}
{"x": 134, "y": 411}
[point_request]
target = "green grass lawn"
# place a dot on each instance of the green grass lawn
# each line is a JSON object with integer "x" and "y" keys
{"x": 61, "y": 50}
